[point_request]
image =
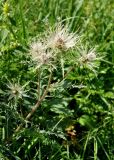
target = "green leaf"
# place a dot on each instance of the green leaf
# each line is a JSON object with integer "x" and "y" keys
{"x": 109, "y": 95}
{"x": 86, "y": 120}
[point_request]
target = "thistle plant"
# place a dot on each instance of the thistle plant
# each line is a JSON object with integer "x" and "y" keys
{"x": 44, "y": 53}
{"x": 55, "y": 56}
{"x": 56, "y": 88}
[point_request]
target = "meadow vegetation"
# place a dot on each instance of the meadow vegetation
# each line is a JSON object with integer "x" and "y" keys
{"x": 57, "y": 80}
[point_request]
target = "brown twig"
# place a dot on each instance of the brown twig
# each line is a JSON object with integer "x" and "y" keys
{"x": 37, "y": 104}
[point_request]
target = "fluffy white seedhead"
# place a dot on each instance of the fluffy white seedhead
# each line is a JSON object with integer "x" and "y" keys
{"x": 88, "y": 59}
{"x": 40, "y": 54}
{"x": 87, "y": 56}
{"x": 37, "y": 48}
{"x": 91, "y": 56}
{"x": 61, "y": 38}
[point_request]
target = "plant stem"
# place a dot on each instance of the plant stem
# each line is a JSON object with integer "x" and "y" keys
{"x": 38, "y": 87}
{"x": 37, "y": 103}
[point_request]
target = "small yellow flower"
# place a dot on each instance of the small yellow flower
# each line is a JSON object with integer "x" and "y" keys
{"x": 6, "y": 8}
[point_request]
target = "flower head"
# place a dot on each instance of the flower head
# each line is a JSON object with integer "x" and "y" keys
{"x": 37, "y": 48}
{"x": 16, "y": 91}
{"x": 40, "y": 54}
{"x": 61, "y": 38}
{"x": 88, "y": 58}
